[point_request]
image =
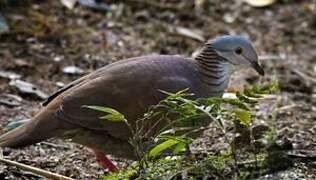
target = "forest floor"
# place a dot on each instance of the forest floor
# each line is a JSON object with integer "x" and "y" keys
{"x": 49, "y": 45}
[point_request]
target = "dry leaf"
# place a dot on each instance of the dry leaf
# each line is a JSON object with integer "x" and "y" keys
{"x": 193, "y": 34}
{"x": 70, "y": 4}
{"x": 259, "y": 3}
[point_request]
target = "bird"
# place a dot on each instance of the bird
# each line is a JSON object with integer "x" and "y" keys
{"x": 131, "y": 86}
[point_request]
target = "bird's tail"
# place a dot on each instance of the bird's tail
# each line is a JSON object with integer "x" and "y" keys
{"x": 38, "y": 129}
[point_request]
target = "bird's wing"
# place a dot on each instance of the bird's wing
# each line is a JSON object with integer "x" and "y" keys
{"x": 84, "y": 79}
{"x": 131, "y": 89}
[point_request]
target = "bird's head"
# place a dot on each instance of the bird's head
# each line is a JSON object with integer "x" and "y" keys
{"x": 236, "y": 51}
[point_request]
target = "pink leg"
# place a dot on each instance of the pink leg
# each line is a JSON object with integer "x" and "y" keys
{"x": 105, "y": 162}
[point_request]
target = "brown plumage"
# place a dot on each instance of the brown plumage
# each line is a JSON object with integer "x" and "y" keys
{"x": 130, "y": 86}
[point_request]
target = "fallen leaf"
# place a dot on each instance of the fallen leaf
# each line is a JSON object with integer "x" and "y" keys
{"x": 9, "y": 75}
{"x": 193, "y": 34}
{"x": 10, "y": 100}
{"x": 27, "y": 88}
{"x": 70, "y": 4}
{"x": 259, "y": 3}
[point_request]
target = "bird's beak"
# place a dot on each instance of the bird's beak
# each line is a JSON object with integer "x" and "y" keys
{"x": 258, "y": 68}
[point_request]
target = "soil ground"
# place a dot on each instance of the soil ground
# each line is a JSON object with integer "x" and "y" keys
{"x": 45, "y": 37}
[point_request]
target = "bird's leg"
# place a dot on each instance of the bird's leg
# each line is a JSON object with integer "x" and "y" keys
{"x": 105, "y": 162}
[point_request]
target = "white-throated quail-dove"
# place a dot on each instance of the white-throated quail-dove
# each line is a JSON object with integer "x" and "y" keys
{"x": 131, "y": 86}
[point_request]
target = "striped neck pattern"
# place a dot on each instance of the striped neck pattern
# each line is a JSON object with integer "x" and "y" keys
{"x": 213, "y": 71}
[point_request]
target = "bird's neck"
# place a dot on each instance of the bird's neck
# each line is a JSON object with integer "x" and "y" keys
{"x": 214, "y": 72}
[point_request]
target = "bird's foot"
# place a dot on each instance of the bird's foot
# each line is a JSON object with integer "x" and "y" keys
{"x": 105, "y": 162}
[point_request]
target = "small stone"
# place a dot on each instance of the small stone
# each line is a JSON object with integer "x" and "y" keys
{"x": 60, "y": 84}
{"x": 72, "y": 70}
{"x": 59, "y": 58}
{"x": 228, "y": 18}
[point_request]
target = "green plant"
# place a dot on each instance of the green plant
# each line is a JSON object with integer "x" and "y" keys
{"x": 190, "y": 116}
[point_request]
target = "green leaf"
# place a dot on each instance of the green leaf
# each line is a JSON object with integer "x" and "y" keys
{"x": 248, "y": 92}
{"x": 243, "y": 116}
{"x": 179, "y": 147}
{"x": 176, "y": 96}
{"x": 236, "y": 102}
{"x": 162, "y": 146}
{"x": 113, "y": 115}
{"x": 213, "y": 100}
{"x": 245, "y": 99}
{"x": 256, "y": 89}
{"x": 183, "y": 139}
{"x": 271, "y": 87}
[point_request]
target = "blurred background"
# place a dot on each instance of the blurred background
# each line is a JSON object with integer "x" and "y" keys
{"x": 47, "y": 44}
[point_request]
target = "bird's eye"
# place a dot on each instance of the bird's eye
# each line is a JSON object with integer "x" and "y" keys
{"x": 238, "y": 50}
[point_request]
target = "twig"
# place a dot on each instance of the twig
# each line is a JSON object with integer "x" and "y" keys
{"x": 158, "y": 5}
{"x": 252, "y": 144}
{"x": 54, "y": 145}
{"x": 35, "y": 170}
{"x": 304, "y": 76}
{"x": 270, "y": 57}
{"x": 303, "y": 153}
{"x": 223, "y": 129}
{"x": 264, "y": 97}
{"x": 288, "y": 107}
{"x": 154, "y": 126}
{"x": 249, "y": 162}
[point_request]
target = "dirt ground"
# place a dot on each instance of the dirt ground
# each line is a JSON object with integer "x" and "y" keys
{"x": 47, "y": 40}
